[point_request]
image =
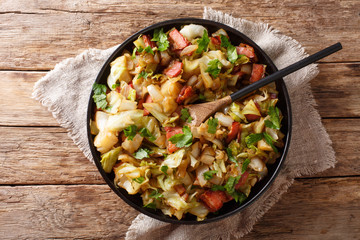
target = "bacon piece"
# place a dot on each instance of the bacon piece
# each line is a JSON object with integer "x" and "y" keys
{"x": 174, "y": 69}
{"x": 258, "y": 72}
{"x": 252, "y": 117}
{"x": 216, "y": 40}
{"x": 171, "y": 131}
{"x": 246, "y": 50}
{"x": 180, "y": 189}
{"x": 185, "y": 93}
{"x": 177, "y": 40}
{"x": 233, "y": 131}
{"x": 213, "y": 200}
{"x": 242, "y": 180}
{"x": 147, "y": 100}
{"x": 148, "y": 42}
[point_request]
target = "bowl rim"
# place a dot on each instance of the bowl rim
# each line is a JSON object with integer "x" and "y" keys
{"x": 184, "y": 21}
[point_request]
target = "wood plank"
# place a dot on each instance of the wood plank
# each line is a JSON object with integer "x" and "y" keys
{"x": 73, "y": 26}
{"x": 48, "y": 155}
{"x": 94, "y": 212}
{"x": 334, "y": 90}
{"x": 314, "y": 209}
{"x": 43, "y": 156}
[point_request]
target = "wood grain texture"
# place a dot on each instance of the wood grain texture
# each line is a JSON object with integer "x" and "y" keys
{"x": 312, "y": 209}
{"x": 74, "y": 26}
{"x": 334, "y": 91}
{"x": 48, "y": 156}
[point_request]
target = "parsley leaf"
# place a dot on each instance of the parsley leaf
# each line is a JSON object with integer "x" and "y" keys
{"x": 182, "y": 139}
{"x": 270, "y": 141}
{"x": 164, "y": 169}
{"x": 148, "y": 49}
{"x": 130, "y": 131}
{"x": 212, "y": 124}
{"x": 185, "y": 115}
{"x": 100, "y": 95}
{"x": 245, "y": 165}
{"x": 203, "y": 42}
{"x": 139, "y": 180}
{"x": 144, "y": 132}
{"x": 231, "y": 50}
{"x": 115, "y": 85}
{"x": 217, "y": 187}
{"x": 155, "y": 194}
{"x": 214, "y": 67}
{"x": 161, "y": 39}
{"x": 143, "y": 74}
{"x": 142, "y": 153}
{"x": 151, "y": 205}
{"x": 231, "y": 157}
{"x": 202, "y": 97}
{"x": 209, "y": 174}
{"x": 274, "y": 118}
{"x": 253, "y": 138}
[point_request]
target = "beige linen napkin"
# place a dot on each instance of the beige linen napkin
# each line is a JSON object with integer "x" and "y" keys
{"x": 65, "y": 91}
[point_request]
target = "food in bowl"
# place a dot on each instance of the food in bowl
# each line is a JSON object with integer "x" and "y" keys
{"x": 143, "y": 129}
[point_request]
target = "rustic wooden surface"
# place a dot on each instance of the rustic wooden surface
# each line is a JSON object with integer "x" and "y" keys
{"x": 48, "y": 189}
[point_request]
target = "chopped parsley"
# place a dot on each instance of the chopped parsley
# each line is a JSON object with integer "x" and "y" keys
{"x": 253, "y": 138}
{"x": 209, "y": 174}
{"x": 144, "y": 132}
{"x": 161, "y": 39}
{"x": 148, "y": 49}
{"x": 151, "y": 205}
{"x": 130, "y": 132}
{"x": 100, "y": 95}
{"x": 269, "y": 140}
{"x": 142, "y": 153}
{"x": 231, "y": 156}
{"x": 245, "y": 165}
{"x": 214, "y": 67}
{"x": 203, "y": 42}
{"x": 139, "y": 180}
{"x": 202, "y": 97}
{"x": 274, "y": 121}
{"x": 212, "y": 124}
{"x": 231, "y": 50}
{"x": 229, "y": 187}
{"x": 155, "y": 194}
{"x": 143, "y": 74}
{"x": 182, "y": 139}
{"x": 115, "y": 85}
{"x": 164, "y": 169}
{"x": 185, "y": 115}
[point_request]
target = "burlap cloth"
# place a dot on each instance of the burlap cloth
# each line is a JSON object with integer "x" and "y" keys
{"x": 65, "y": 92}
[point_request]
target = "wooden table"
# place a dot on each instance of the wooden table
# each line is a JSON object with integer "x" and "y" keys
{"x": 50, "y": 190}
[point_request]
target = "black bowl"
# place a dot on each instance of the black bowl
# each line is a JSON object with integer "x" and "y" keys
{"x": 284, "y": 105}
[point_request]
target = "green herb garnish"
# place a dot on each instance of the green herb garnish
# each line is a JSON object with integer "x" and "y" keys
{"x": 231, "y": 157}
{"x": 270, "y": 141}
{"x": 203, "y": 42}
{"x": 212, "y": 124}
{"x": 164, "y": 169}
{"x": 130, "y": 132}
{"x": 182, "y": 139}
{"x": 274, "y": 121}
{"x": 161, "y": 39}
{"x": 185, "y": 115}
{"x": 214, "y": 67}
{"x": 231, "y": 50}
{"x": 245, "y": 165}
{"x": 253, "y": 138}
{"x": 155, "y": 194}
{"x": 100, "y": 95}
{"x": 209, "y": 174}
{"x": 144, "y": 132}
{"x": 142, "y": 153}
{"x": 139, "y": 180}
{"x": 151, "y": 205}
